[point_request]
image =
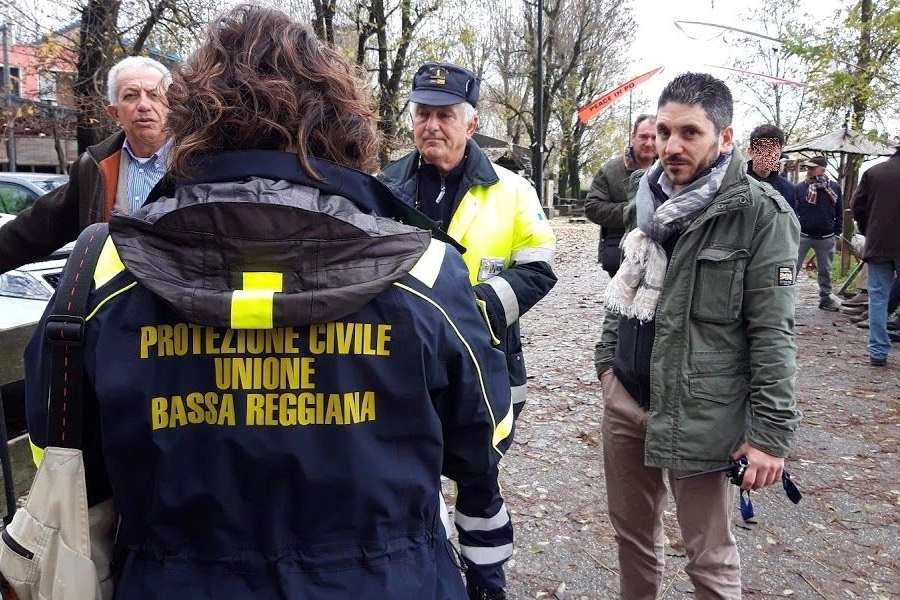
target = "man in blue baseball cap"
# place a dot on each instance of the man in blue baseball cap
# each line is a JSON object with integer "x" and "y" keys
{"x": 510, "y": 247}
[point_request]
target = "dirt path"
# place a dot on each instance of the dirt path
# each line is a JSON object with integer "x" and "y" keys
{"x": 843, "y": 539}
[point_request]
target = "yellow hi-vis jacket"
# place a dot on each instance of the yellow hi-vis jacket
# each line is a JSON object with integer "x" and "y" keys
{"x": 510, "y": 246}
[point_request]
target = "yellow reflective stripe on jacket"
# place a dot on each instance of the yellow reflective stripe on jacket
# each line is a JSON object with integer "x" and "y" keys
{"x": 502, "y": 429}
{"x": 108, "y": 264}
{"x": 37, "y": 453}
{"x": 253, "y": 307}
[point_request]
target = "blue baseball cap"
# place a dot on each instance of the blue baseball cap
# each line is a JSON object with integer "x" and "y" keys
{"x": 443, "y": 84}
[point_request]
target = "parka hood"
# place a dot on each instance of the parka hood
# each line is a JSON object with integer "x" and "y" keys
{"x": 279, "y": 246}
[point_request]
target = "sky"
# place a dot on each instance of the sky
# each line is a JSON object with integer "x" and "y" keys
{"x": 659, "y": 42}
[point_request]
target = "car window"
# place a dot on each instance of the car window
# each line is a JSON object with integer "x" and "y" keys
{"x": 14, "y": 198}
{"x": 48, "y": 185}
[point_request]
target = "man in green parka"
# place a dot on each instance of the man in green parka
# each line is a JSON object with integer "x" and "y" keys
{"x": 701, "y": 369}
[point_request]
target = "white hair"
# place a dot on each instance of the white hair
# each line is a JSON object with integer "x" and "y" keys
{"x": 469, "y": 111}
{"x": 112, "y": 80}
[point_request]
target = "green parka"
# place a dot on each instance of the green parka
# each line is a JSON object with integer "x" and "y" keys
{"x": 724, "y": 358}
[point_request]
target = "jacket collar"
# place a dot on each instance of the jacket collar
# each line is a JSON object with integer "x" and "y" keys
{"x": 479, "y": 169}
{"x": 108, "y": 146}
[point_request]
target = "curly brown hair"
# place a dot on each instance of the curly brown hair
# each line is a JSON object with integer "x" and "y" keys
{"x": 263, "y": 81}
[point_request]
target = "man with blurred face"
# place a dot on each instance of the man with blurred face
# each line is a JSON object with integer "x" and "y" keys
{"x": 118, "y": 173}
{"x": 510, "y": 247}
{"x": 607, "y": 197}
{"x": 697, "y": 358}
{"x": 766, "y": 144}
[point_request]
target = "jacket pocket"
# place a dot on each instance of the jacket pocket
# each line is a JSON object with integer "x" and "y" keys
{"x": 719, "y": 387}
{"x": 719, "y": 287}
{"x": 515, "y": 366}
{"x": 20, "y": 555}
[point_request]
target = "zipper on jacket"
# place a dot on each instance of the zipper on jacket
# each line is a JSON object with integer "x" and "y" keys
{"x": 440, "y": 196}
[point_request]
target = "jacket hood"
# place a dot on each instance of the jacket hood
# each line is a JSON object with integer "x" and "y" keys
{"x": 307, "y": 256}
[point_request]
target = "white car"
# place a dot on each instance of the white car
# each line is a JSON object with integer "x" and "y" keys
{"x": 24, "y": 291}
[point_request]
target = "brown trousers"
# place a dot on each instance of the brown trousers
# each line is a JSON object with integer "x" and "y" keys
{"x": 637, "y": 498}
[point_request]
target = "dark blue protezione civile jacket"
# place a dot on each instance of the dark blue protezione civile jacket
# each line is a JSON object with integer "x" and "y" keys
{"x": 278, "y": 373}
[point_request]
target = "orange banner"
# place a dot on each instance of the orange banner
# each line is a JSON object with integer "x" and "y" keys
{"x": 604, "y": 101}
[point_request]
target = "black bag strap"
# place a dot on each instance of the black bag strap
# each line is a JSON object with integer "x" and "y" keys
{"x": 64, "y": 331}
{"x": 9, "y": 492}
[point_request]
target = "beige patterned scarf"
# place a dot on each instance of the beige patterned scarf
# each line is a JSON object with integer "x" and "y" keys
{"x": 634, "y": 291}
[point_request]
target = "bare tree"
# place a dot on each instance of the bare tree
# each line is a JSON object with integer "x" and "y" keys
{"x": 852, "y": 70}
{"x": 385, "y": 38}
{"x": 97, "y": 46}
{"x": 782, "y": 105}
{"x": 583, "y": 54}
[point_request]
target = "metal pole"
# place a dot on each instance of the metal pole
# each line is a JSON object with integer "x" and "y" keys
{"x": 630, "y": 121}
{"x": 11, "y": 117}
{"x": 539, "y": 105}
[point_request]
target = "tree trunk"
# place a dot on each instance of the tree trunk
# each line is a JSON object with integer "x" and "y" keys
{"x": 95, "y": 54}
{"x": 61, "y": 162}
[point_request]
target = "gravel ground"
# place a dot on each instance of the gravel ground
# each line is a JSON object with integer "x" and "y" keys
{"x": 841, "y": 541}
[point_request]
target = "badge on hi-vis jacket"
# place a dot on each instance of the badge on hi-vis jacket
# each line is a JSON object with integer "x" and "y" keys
{"x": 785, "y": 275}
{"x": 490, "y": 266}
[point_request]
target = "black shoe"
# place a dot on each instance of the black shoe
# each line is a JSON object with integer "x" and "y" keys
{"x": 876, "y": 362}
{"x": 863, "y": 316}
{"x": 480, "y": 593}
{"x": 893, "y": 323}
{"x": 894, "y": 336}
{"x": 829, "y": 305}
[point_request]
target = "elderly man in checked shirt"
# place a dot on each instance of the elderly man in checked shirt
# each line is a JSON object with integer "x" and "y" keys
{"x": 116, "y": 174}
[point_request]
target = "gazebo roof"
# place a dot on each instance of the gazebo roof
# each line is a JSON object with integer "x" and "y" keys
{"x": 842, "y": 140}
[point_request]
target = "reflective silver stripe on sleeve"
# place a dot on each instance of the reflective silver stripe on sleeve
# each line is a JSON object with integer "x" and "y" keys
{"x": 445, "y": 516}
{"x": 486, "y": 556}
{"x": 507, "y": 297}
{"x": 518, "y": 394}
{"x": 529, "y": 255}
{"x": 480, "y": 524}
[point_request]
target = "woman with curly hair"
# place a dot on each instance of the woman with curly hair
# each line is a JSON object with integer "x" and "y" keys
{"x": 279, "y": 364}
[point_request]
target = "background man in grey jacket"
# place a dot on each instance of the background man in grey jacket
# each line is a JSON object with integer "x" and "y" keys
{"x": 607, "y": 197}
{"x": 701, "y": 368}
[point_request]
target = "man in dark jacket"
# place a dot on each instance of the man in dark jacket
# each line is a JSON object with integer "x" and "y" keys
{"x": 117, "y": 173}
{"x": 766, "y": 143}
{"x": 876, "y": 208}
{"x": 819, "y": 204}
{"x": 606, "y": 199}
